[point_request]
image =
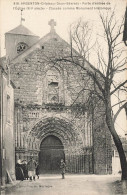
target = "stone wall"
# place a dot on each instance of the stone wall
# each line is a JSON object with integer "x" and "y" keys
{"x": 102, "y": 142}
{"x": 86, "y": 140}
{"x": 84, "y": 152}
{"x": 30, "y": 72}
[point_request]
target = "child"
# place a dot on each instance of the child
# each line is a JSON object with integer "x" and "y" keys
{"x": 31, "y": 168}
{"x": 62, "y": 166}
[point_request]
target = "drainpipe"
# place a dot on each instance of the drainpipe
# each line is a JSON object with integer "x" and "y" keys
{"x": 2, "y": 168}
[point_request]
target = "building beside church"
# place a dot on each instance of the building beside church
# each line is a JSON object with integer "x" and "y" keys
{"x": 49, "y": 121}
{"x": 7, "y": 135}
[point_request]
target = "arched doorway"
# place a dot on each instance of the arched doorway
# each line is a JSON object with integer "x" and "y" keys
{"x": 51, "y": 152}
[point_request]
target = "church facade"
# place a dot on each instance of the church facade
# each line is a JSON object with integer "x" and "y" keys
{"x": 49, "y": 121}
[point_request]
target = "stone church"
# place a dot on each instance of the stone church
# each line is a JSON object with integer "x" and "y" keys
{"x": 48, "y": 119}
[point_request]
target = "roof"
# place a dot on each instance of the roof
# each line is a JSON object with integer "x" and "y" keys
{"x": 37, "y": 45}
{"x": 21, "y": 30}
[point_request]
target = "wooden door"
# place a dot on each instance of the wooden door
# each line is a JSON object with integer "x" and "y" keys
{"x": 51, "y": 152}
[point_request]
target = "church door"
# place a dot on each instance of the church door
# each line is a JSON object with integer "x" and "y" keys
{"x": 51, "y": 152}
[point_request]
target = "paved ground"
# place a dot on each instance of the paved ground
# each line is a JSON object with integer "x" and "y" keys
{"x": 71, "y": 185}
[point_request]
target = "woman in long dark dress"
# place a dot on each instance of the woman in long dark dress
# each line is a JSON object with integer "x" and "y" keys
{"x": 25, "y": 169}
{"x": 19, "y": 172}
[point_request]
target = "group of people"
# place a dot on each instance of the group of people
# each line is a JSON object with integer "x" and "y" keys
{"x": 29, "y": 170}
{"x": 26, "y": 170}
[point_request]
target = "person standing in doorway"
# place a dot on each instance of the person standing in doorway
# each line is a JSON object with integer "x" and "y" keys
{"x": 37, "y": 170}
{"x": 31, "y": 168}
{"x": 19, "y": 171}
{"x": 63, "y": 168}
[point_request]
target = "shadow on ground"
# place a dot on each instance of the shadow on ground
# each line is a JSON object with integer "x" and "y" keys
{"x": 119, "y": 187}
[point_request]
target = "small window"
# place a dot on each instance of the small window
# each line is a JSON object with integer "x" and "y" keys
{"x": 53, "y": 84}
{"x": 42, "y": 47}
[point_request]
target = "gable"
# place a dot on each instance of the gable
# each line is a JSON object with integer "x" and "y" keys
{"x": 48, "y": 38}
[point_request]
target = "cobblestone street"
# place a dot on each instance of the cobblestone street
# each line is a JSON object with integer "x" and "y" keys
{"x": 71, "y": 185}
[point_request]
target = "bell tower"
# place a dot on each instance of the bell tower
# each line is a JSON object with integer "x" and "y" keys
{"x": 18, "y": 40}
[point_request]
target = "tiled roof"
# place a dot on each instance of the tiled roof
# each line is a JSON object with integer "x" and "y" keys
{"x": 21, "y": 30}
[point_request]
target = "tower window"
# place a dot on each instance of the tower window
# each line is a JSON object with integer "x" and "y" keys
{"x": 42, "y": 46}
{"x": 21, "y": 47}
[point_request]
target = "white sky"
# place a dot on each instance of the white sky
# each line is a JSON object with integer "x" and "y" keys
{"x": 37, "y": 21}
